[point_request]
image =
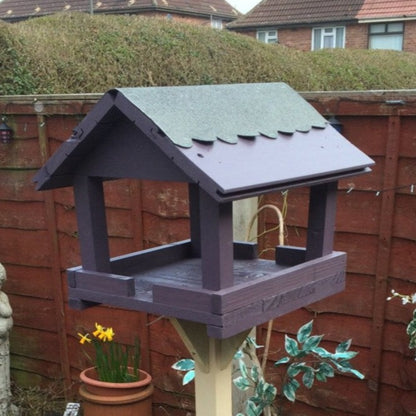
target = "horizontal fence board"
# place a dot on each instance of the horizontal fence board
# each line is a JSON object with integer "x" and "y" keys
{"x": 17, "y": 185}
{"x": 25, "y": 247}
{"x": 34, "y": 313}
{"x": 35, "y": 344}
{"x": 29, "y": 368}
{"x": 159, "y": 231}
{"x": 24, "y": 154}
{"x": 29, "y": 281}
{"x": 22, "y": 215}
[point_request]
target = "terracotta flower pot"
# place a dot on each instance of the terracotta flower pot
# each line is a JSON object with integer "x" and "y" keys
{"x": 113, "y": 399}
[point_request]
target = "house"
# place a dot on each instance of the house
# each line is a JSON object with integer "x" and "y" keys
{"x": 215, "y": 13}
{"x": 320, "y": 24}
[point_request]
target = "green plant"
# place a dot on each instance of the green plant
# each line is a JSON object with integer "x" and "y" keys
{"x": 307, "y": 358}
{"x": 306, "y": 362}
{"x": 411, "y": 326}
{"x": 114, "y": 362}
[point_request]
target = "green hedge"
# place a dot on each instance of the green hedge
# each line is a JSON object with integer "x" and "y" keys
{"x": 79, "y": 53}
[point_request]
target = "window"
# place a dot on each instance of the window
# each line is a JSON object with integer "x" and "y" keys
{"x": 328, "y": 37}
{"x": 267, "y": 36}
{"x": 216, "y": 23}
{"x": 386, "y": 36}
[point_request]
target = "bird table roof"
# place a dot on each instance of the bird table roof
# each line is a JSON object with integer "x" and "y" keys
{"x": 234, "y": 140}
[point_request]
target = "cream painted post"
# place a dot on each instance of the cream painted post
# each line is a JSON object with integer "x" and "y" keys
{"x": 213, "y": 367}
{"x": 213, "y": 396}
{"x": 243, "y": 212}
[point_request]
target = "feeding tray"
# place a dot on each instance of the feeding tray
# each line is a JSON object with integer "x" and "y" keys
{"x": 227, "y": 142}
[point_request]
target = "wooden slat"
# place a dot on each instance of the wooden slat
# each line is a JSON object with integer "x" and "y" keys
{"x": 104, "y": 283}
{"x": 383, "y": 262}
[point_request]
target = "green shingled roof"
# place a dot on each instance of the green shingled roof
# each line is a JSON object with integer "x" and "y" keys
{"x": 239, "y": 110}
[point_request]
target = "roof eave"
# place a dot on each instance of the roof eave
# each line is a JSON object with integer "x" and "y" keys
{"x": 385, "y": 19}
{"x": 290, "y": 25}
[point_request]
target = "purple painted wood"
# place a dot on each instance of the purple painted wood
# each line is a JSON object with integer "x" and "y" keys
{"x": 92, "y": 224}
{"x": 321, "y": 220}
{"x": 245, "y": 250}
{"x": 216, "y": 222}
{"x": 141, "y": 261}
{"x": 263, "y": 290}
{"x": 289, "y": 255}
{"x": 195, "y": 219}
{"x": 105, "y": 282}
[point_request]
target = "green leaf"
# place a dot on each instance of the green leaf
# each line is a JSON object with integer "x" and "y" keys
{"x": 294, "y": 369}
{"x": 308, "y": 378}
{"x": 347, "y": 355}
{"x": 324, "y": 371}
{"x": 252, "y": 409}
{"x": 291, "y": 346}
{"x": 243, "y": 368}
{"x": 255, "y": 373}
{"x": 304, "y": 332}
{"x": 344, "y": 346}
{"x": 269, "y": 393}
{"x": 289, "y": 389}
{"x": 242, "y": 383}
{"x": 322, "y": 352}
{"x": 357, "y": 374}
{"x": 239, "y": 354}
{"x": 252, "y": 341}
{"x": 188, "y": 377}
{"x": 312, "y": 342}
{"x": 283, "y": 360}
{"x": 185, "y": 364}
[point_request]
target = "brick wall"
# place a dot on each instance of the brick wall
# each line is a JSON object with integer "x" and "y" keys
{"x": 356, "y": 37}
{"x": 410, "y": 36}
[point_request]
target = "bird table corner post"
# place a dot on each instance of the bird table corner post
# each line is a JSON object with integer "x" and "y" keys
{"x": 228, "y": 143}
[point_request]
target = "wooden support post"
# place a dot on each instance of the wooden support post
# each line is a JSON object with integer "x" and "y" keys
{"x": 92, "y": 224}
{"x": 56, "y": 278}
{"x": 216, "y": 242}
{"x": 193, "y": 191}
{"x": 321, "y": 220}
{"x": 213, "y": 367}
{"x": 384, "y": 252}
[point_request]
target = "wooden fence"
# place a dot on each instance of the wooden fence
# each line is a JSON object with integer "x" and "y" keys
{"x": 375, "y": 225}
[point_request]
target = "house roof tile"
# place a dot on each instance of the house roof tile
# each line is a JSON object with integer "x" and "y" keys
{"x": 19, "y": 9}
{"x": 373, "y": 9}
{"x": 299, "y": 12}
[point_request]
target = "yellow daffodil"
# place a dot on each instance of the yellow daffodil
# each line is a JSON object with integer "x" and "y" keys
{"x": 109, "y": 334}
{"x": 84, "y": 338}
{"x": 98, "y": 330}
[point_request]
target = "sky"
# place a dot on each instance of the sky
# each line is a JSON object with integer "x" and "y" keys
{"x": 243, "y": 6}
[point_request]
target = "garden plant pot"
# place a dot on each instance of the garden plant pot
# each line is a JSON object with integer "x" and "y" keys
{"x": 114, "y": 399}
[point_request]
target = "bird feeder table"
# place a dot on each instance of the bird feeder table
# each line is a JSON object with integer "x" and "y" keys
{"x": 228, "y": 142}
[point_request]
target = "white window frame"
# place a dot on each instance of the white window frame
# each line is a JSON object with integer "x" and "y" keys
{"x": 388, "y": 32}
{"x": 216, "y": 23}
{"x": 325, "y": 33}
{"x": 267, "y": 36}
